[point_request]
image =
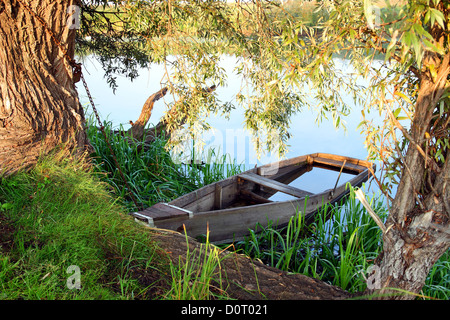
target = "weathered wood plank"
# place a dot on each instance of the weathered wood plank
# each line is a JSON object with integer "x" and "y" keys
{"x": 218, "y": 197}
{"x": 234, "y": 221}
{"x": 336, "y": 165}
{"x": 274, "y": 168}
{"x": 203, "y": 198}
{"x": 334, "y": 162}
{"x": 161, "y": 211}
{"x": 275, "y": 185}
{"x": 252, "y": 197}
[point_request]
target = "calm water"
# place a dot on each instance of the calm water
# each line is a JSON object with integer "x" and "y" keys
{"x": 229, "y": 136}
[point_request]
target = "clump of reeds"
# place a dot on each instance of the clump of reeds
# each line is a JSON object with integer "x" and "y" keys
{"x": 150, "y": 171}
{"x": 338, "y": 247}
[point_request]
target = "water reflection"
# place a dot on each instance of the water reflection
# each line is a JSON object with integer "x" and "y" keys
{"x": 229, "y": 136}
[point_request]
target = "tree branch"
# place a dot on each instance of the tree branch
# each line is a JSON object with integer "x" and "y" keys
{"x": 381, "y": 49}
{"x": 137, "y": 128}
{"x": 360, "y": 195}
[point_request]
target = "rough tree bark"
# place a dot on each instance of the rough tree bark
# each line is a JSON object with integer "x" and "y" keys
{"x": 418, "y": 230}
{"x": 39, "y": 106}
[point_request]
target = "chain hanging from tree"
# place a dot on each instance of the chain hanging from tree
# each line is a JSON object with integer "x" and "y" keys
{"x": 78, "y": 75}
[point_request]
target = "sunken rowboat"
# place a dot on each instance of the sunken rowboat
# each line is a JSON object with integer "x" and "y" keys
{"x": 228, "y": 209}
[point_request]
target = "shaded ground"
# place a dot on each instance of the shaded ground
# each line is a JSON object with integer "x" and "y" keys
{"x": 248, "y": 279}
{"x": 6, "y": 234}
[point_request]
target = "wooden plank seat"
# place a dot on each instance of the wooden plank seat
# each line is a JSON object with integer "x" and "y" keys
{"x": 161, "y": 211}
{"x": 337, "y": 165}
{"x": 275, "y": 185}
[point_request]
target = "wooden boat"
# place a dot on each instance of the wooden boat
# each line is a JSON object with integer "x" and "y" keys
{"x": 229, "y": 208}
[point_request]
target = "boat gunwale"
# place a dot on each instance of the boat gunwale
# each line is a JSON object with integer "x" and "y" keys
{"x": 366, "y": 167}
{"x": 308, "y": 205}
{"x": 325, "y": 193}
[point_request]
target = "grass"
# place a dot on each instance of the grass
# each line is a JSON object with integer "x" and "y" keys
{"x": 73, "y": 212}
{"x": 198, "y": 276}
{"x": 151, "y": 173}
{"x": 66, "y": 212}
{"x": 60, "y": 215}
{"x": 339, "y": 250}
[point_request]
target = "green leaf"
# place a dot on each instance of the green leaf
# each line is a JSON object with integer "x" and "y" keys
{"x": 432, "y": 71}
{"x": 6, "y": 206}
{"x": 432, "y": 47}
{"x": 273, "y": 82}
{"x": 438, "y": 16}
{"x": 403, "y": 96}
{"x": 406, "y": 39}
{"x": 418, "y": 28}
{"x": 427, "y": 17}
{"x": 392, "y": 44}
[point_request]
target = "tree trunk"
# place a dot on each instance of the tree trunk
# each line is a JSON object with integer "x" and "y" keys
{"x": 418, "y": 231}
{"x": 39, "y": 106}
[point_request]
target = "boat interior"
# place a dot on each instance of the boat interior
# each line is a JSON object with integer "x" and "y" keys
{"x": 273, "y": 182}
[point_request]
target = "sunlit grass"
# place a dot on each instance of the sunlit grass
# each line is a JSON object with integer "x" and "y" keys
{"x": 338, "y": 250}
{"x": 198, "y": 275}
{"x": 60, "y": 215}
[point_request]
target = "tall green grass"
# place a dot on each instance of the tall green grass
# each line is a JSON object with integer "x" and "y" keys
{"x": 151, "y": 173}
{"x": 73, "y": 212}
{"x": 338, "y": 250}
{"x": 198, "y": 276}
{"x": 59, "y": 215}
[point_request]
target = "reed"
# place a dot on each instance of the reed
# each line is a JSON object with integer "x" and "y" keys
{"x": 198, "y": 276}
{"x": 338, "y": 250}
{"x": 151, "y": 173}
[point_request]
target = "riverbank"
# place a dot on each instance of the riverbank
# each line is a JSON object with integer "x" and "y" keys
{"x": 64, "y": 237}
{"x": 66, "y": 221}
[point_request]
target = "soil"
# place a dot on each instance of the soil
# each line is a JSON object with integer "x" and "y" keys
{"x": 247, "y": 279}
{"x": 6, "y": 234}
{"x": 242, "y": 277}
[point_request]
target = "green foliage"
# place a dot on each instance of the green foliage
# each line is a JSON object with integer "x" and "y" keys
{"x": 288, "y": 59}
{"x": 336, "y": 250}
{"x": 198, "y": 276}
{"x": 150, "y": 171}
{"x": 337, "y": 247}
{"x": 60, "y": 215}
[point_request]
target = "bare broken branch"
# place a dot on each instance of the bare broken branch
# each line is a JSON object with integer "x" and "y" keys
{"x": 137, "y": 128}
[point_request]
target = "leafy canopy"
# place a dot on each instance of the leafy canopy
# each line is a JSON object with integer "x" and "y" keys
{"x": 288, "y": 55}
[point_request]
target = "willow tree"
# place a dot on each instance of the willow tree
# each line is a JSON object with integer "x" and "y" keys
{"x": 39, "y": 106}
{"x": 288, "y": 64}
{"x": 410, "y": 86}
{"x": 404, "y": 52}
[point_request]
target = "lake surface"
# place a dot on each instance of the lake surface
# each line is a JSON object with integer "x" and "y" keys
{"x": 229, "y": 135}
